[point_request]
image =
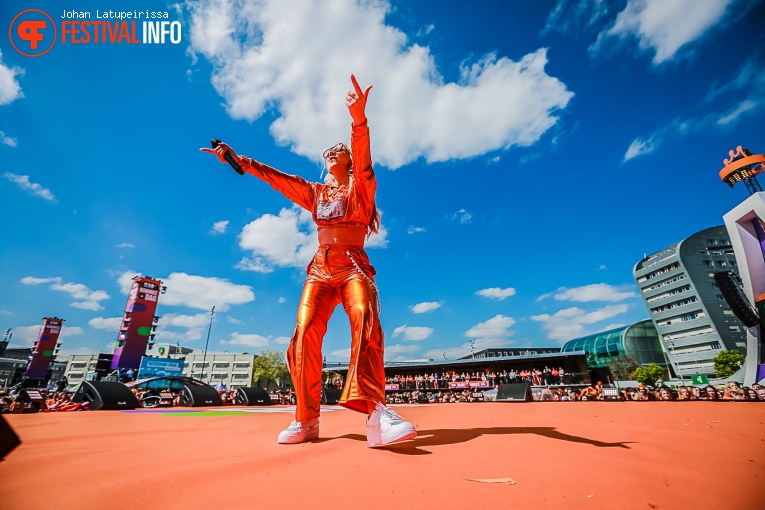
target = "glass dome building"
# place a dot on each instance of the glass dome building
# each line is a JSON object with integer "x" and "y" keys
{"x": 638, "y": 343}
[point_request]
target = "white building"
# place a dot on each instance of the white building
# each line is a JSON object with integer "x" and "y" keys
{"x": 232, "y": 369}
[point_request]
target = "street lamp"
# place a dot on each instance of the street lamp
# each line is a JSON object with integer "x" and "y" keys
{"x": 204, "y": 358}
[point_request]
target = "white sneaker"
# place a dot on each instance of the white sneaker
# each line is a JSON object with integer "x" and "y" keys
{"x": 385, "y": 426}
{"x": 297, "y": 432}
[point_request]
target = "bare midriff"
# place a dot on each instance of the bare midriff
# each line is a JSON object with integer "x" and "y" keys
{"x": 344, "y": 235}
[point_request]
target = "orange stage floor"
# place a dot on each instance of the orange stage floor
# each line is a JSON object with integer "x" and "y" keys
{"x": 561, "y": 455}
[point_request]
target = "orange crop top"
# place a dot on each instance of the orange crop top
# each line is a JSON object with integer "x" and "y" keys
{"x": 351, "y": 204}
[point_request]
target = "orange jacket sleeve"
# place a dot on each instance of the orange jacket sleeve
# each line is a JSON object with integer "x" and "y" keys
{"x": 293, "y": 187}
{"x": 363, "y": 174}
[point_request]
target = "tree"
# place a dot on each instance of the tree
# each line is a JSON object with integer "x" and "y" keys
{"x": 649, "y": 374}
{"x": 269, "y": 366}
{"x": 727, "y": 363}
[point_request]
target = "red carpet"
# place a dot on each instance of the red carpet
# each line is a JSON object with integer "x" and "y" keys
{"x": 592, "y": 455}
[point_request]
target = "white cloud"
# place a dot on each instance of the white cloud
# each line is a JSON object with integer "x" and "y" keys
{"x": 185, "y": 321}
{"x": 7, "y": 140}
{"x": 378, "y": 240}
{"x": 256, "y": 265}
{"x": 286, "y": 240}
{"x": 200, "y": 292}
{"x": 496, "y": 328}
{"x": 466, "y": 349}
{"x": 233, "y": 320}
{"x": 10, "y": 90}
{"x": 740, "y": 109}
{"x": 603, "y": 266}
{"x": 569, "y": 323}
{"x": 342, "y": 354}
{"x": 639, "y": 147}
{"x": 125, "y": 245}
{"x": 32, "y": 188}
{"x": 31, "y": 280}
{"x": 281, "y": 300}
{"x": 86, "y": 299}
{"x": 106, "y": 323}
{"x": 571, "y": 16}
{"x": 425, "y": 306}
{"x": 283, "y": 340}
{"x": 496, "y": 293}
{"x": 247, "y": 340}
{"x": 462, "y": 216}
{"x": 393, "y": 350}
{"x": 188, "y": 335}
{"x": 595, "y": 292}
{"x": 413, "y": 230}
{"x": 219, "y": 227}
{"x": 68, "y": 331}
{"x": 664, "y": 27}
{"x": 279, "y": 55}
{"x": 740, "y": 97}
{"x": 25, "y": 336}
{"x": 204, "y": 292}
{"x": 413, "y": 333}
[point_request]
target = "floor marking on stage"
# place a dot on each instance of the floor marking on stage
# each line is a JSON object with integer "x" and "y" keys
{"x": 236, "y": 411}
{"x": 287, "y": 409}
{"x": 162, "y": 411}
{"x": 208, "y": 413}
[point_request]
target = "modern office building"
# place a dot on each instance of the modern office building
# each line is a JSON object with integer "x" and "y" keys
{"x": 692, "y": 318}
{"x": 231, "y": 369}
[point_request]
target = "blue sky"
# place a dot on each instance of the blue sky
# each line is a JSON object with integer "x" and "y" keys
{"x": 528, "y": 154}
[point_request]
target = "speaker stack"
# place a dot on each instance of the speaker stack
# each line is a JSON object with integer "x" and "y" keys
{"x": 736, "y": 299}
{"x": 105, "y": 396}
{"x": 252, "y": 397}
{"x": 197, "y": 396}
{"x": 330, "y": 396}
{"x": 514, "y": 392}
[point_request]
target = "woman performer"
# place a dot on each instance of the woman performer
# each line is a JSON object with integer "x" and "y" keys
{"x": 345, "y": 214}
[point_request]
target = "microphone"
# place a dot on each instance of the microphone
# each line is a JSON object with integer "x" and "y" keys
{"x": 229, "y": 158}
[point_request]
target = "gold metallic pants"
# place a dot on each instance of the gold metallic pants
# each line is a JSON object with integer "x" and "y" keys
{"x": 334, "y": 278}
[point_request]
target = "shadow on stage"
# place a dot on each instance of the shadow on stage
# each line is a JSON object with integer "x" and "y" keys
{"x": 441, "y": 437}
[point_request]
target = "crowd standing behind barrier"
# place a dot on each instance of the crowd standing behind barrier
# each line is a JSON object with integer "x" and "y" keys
{"x": 430, "y": 389}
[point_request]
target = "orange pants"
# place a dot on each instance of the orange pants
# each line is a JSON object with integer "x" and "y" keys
{"x": 333, "y": 278}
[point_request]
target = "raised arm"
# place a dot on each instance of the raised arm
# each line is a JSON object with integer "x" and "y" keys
{"x": 356, "y": 100}
{"x": 293, "y": 187}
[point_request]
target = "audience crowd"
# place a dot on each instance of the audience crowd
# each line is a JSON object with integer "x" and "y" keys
{"x": 538, "y": 377}
{"x": 423, "y": 389}
{"x": 51, "y": 401}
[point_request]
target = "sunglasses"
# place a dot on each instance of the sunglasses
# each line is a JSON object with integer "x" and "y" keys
{"x": 334, "y": 150}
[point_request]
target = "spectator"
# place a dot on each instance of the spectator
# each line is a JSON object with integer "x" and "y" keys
{"x": 665, "y": 394}
{"x": 710, "y": 393}
{"x": 642, "y": 393}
